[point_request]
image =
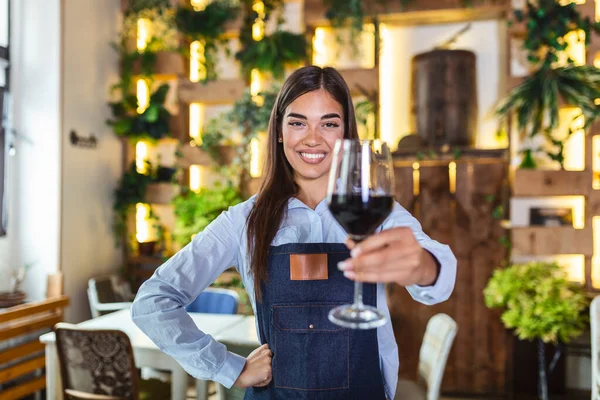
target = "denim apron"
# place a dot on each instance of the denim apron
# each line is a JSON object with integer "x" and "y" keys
{"x": 314, "y": 359}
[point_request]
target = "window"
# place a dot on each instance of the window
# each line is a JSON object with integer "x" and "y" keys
{"x": 4, "y": 92}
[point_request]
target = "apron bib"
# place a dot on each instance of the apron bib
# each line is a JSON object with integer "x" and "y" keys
{"x": 314, "y": 359}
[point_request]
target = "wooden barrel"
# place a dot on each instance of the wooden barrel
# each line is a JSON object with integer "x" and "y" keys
{"x": 444, "y": 97}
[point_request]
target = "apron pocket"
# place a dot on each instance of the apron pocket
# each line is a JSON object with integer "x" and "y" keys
{"x": 310, "y": 352}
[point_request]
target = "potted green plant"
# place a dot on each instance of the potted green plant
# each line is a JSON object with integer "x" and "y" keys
{"x": 535, "y": 103}
{"x": 207, "y": 26}
{"x": 151, "y": 124}
{"x": 194, "y": 211}
{"x": 539, "y": 304}
{"x": 161, "y": 53}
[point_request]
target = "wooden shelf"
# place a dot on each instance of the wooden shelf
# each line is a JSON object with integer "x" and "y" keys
{"x": 593, "y": 201}
{"x": 361, "y": 78}
{"x": 542, "y": 241}
{"x": 193, "y": 155}
{"x": 420, "y": 13}
{"x": 162, "y": 192}
{"x": 551, "y": 183}
{"x": 168, "y": 65}
{"x": 225, "y": 91}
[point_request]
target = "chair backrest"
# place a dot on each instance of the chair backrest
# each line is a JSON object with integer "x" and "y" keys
{"x": 595, "y": 341}
{"x": 106, "y": 290}
{"x": 437, "y": 342}
{"x": 22, "y": 357}
{"x": 96, "y": 361}
{"x": 215, "y": 301}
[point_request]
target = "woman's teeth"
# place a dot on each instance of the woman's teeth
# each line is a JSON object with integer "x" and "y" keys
{"x": 313, "y": 156}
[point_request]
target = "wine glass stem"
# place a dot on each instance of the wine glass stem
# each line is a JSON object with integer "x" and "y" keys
{"x": 358, "y": 287}
{"x": 358, "y": 301}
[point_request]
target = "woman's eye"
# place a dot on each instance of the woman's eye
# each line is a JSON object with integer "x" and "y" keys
{"x": 331, "y": 125}
{"x": 295, "y": 123}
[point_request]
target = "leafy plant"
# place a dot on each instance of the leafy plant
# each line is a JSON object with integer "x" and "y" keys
{"x": 153, "y": 123}
{"x": 136, "y": 6}
{"x": 162, "y": 30}
{"x": 130, "y": 190}
{"x": 536, "y": 102}
{"x": 207, "y": 26}
{"x": 538, "y": 300}
{"x": 273, "y": 53}
{"x": 194, "y": 211}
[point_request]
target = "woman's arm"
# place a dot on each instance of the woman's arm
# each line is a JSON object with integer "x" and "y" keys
{"x": 404, "y": 254}
{"x": 158, "y": 309}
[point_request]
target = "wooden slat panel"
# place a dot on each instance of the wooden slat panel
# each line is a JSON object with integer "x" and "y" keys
{"x": 551, "y": 183}
{"x": 477, "y": 363}
{"x": 161, "y": 192}
{"x": 359, "y": 79}
{"x": 168, "y": 65}
{"x": 540, "y": 241}
{"x": 21, "y": 391}
{"x": 225, "y": 91}
{"x": 28, "y": 325}
{"x": 28, "y": 309}
{"x": 21, "y": 351}
{"x": 23, "y": 368}
{"x": 593, "y": 203}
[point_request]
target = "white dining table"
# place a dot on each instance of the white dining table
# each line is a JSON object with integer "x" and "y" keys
{"x": 226, "y": 328}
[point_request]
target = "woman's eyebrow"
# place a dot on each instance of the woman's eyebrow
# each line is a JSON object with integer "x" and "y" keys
{"x": 296, "y": 115}
{"x": 326, "y": 116}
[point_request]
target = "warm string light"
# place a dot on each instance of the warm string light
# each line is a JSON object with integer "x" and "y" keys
{"x": 197, "y": 61}
{"x": 195, "y": 178}
{"x": 142, "y": 222}
{"x": 416, "y": 179}
{"x": 319, "y": 48}
{"x": 143, "y": 33}
{"x": 196, "y": 122}
{"x": 256, "y": 86}
{"x": 143, "y": 95}
{"x": 452, "y": 176}
{"x": 199, "y": 5}
{"x": 258, "y": 27}
{"x": 142, "y": 153}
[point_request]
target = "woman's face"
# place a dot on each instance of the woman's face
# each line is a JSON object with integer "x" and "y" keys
{"x": 311, "y": 125}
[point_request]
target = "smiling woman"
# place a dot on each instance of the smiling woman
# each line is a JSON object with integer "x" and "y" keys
{"x": 295, "y": 263}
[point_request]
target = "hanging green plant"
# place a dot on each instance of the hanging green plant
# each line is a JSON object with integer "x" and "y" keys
{"x": 136, "y": 6}
{"x": 130, "y": 190}
{"x": 152, "y": 124}
{"x": 535, "y": 103}
{"x": 273, "y": 53}
{"x": 194, "y": 211}
{"x": 208, "y": 27}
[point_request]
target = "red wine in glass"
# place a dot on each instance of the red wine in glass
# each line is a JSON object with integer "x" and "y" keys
{"x": 360, "y": 197}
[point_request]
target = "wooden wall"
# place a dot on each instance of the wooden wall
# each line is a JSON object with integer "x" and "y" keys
{"x": 464, "y": 220}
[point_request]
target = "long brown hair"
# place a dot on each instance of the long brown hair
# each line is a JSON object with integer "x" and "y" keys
{"x": 278, "y": 184}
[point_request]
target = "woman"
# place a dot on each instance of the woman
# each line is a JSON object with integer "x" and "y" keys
{"x": 268, "y": 238}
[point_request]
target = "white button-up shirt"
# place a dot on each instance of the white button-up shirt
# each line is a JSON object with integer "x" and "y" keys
{"x": 159, "y": 311}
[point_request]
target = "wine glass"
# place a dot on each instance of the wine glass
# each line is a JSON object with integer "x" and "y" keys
{"x": 360, "y": 197}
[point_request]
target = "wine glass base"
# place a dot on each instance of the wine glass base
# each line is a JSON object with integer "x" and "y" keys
{"x": 349, "y": 316}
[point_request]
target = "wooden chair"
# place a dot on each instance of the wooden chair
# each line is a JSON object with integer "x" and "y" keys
{"x": 99, "y": 364}
{"x": 107, "y": 294}
{"x": 22, "y": 356}
{"x": 437, "y": 342}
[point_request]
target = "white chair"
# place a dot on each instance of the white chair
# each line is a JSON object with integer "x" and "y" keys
{"x": 107, "y": 294}
{"x": 437, "y": 342}
{"x": 595, "y": 341}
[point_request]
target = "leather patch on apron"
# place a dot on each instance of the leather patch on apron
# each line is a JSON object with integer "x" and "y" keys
{"x": 308, "y": 267}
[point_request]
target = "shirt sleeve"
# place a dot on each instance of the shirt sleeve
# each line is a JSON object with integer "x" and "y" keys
{"x": 444, "y": 285}
{"x": 158, "y": 309}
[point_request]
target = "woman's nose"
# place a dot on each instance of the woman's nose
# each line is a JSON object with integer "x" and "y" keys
{"x": 312, "y": 137}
